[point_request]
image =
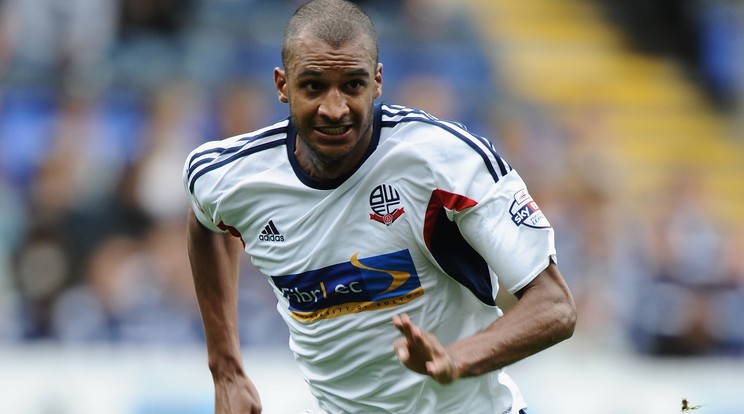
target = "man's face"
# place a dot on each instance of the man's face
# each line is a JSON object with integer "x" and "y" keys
{"x": 330, "y": 94}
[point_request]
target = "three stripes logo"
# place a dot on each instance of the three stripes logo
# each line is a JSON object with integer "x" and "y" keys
{"x": 271, "y": 233}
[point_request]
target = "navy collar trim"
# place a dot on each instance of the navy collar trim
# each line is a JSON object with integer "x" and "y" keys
{"x": 334, "y": 183}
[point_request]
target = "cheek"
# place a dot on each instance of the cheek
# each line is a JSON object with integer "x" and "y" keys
{"x": 298, "y": 107}
{"x": 360, "y": 104}
{"x": 363, "y": 108}
{"x": 302, "y": 115}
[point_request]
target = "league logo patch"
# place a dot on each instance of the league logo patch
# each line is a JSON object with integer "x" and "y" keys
{"x": 525, "y": 211}
{"x": 385, "y": 203}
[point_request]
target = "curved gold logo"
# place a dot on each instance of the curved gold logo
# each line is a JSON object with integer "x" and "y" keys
{"x": 399, "y": 276}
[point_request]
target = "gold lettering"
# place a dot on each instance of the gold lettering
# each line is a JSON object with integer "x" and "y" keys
{"x": 355, "y": 307}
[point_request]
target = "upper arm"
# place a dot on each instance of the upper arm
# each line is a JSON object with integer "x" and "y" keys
{"x": 549, "y": 287}
{"x": 210, "y": 251}
{"x": 550, "y": 279}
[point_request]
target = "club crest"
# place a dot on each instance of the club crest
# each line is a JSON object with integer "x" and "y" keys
{"x": 384, "y": 201}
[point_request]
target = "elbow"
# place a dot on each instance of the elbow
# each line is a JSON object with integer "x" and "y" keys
{"x": 567, "y": 320}
{"x": 566, "y": 313}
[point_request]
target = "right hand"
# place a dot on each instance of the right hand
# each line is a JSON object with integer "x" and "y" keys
{"x": 236, "y": 395}
{"x": 422, "y": 352}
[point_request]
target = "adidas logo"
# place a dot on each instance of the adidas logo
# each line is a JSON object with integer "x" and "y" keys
{"x": 270, "y": 233}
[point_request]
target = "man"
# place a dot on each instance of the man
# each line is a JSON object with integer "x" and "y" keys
{"x": 384, "y": 233}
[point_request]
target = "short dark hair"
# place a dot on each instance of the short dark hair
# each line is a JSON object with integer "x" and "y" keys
{"x": 335, "y": 22}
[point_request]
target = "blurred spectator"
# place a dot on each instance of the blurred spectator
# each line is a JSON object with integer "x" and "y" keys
{"x": 727, "y": 329}
{"x": 242, "y": 107}
{"x": 178, "y": 123}
{"x": 532, "y": 143}
{"x": 12, "y": 222}
{"x": 435, "y": 39}
{"x": 721, "y": 45}
{"x": 170, "y": 313}
{"x": 92, "y": 310}
{"x": 150, "y": 31}
{"x": 50, "y": 42}
{"x": 592, "y": 184}
{"x": 433, "y": 94}
{"x": 677, "y": 306}
{"x": 27, "y": 121}
{"x": 42, "y": 269}
{"x": 134, "y": 291}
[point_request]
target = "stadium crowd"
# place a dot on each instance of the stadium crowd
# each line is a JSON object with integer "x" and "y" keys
{"x": 101, "y": 101}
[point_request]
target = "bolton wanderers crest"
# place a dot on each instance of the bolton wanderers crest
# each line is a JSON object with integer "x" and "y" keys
{"x": 384, "y": 201}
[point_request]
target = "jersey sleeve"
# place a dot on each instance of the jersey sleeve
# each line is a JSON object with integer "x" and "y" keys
{"x": 198, "y": 198}
{"x": 501, "y": 221}
{"x": 510, "y": 231}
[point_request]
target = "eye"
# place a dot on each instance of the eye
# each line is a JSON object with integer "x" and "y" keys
{"x": 356, "y": 84}
{"x": 312, "y": 86}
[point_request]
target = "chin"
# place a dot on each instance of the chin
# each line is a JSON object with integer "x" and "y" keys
{"x": 332, "y": 157}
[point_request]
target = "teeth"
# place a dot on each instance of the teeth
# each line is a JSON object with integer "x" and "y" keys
{"x": 333, "y": 130}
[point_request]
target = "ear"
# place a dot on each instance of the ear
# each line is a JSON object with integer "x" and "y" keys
{"x": 378, "y": 81}
{"x": 280, "y": 79}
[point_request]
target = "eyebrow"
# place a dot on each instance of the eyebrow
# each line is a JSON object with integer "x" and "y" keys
{"x": 357, "y": 72}
{"x": 351, "y": 73}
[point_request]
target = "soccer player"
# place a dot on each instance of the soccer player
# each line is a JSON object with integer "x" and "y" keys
{"x": 384, "y": 233}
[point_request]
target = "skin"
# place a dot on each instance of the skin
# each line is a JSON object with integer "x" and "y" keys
{"x": 214, "y": 261}
{"x": 544, "y": 315}
{"x": 330, "y": 92}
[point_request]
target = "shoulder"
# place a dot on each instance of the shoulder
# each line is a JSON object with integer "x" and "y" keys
{"x": 440, "y": 141}
{"x": 419, "y": 127}
{"x": 221, "y": 154}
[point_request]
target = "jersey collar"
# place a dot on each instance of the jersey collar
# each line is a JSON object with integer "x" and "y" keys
{"x": 334, "y": 183}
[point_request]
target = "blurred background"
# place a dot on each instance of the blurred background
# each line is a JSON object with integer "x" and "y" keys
{"x": 626, "y": 119}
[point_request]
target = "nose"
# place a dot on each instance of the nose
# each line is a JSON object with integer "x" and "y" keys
{"x": 333, "y": 106}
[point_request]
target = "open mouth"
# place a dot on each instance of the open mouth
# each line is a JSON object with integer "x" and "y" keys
{"x": 336, "y": 130}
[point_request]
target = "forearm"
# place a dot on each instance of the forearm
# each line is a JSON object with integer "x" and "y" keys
{"x": 544, "y": 316}
{"x": 214, "y": 261}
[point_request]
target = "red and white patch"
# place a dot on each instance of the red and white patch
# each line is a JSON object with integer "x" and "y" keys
{"x": 525, "y": 211}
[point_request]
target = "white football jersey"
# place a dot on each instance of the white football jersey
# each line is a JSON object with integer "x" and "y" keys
{"x": 428, "y": 224}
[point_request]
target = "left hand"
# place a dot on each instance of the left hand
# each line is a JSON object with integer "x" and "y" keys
{"x": 422, "y": 352}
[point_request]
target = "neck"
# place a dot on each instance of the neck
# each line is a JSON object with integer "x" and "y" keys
{"x": 324, "y": 167}
{"x": 316, "y": 166}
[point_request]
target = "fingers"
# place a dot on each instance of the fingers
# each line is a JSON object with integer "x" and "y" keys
{"x": 413, "y": 334}
{"x": 404, "y": 325}
{"x": 402, "y": 346}
{"x": 422, "y": 352}
{"x": 410, "y": 349}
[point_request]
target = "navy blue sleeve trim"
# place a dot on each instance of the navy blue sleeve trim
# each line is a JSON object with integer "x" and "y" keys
{"x": 238, "y": 155}
{"x": 229, "y": 150}
{"x": 503, "y": 167}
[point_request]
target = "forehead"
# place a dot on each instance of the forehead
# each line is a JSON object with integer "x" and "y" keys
{"x": 310, "y": 53}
